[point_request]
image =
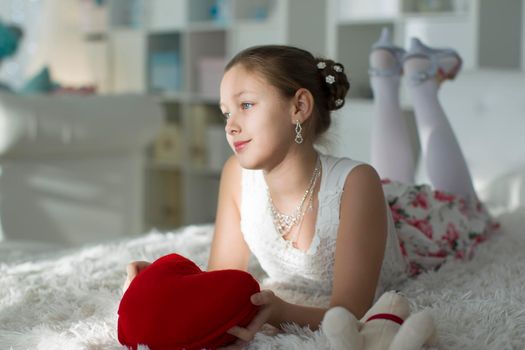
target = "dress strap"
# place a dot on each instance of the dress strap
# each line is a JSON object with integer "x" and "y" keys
{"x": 336, "y": 170}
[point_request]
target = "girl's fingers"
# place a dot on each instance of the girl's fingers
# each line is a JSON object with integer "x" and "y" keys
{"x": 132, "y": 270}
{"x": 247, "y": 333}
{"x": 135, "y": 267}
{"x": 263, "y": 297}
{"x": 258, "y": 321}
{"x": 242, "y": 333}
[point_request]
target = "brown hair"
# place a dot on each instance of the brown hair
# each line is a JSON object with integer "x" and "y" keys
{"x": 290, "y": 68}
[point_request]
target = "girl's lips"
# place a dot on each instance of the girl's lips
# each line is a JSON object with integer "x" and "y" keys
{"x": 239, "y": 145}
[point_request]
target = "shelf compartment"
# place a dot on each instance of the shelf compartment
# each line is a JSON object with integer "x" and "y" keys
{"x": 126, "y": 13}
{"x": 218, "y": 11}
{"x": 206, "y": 47}
{"x": 353, "y": 45}
{"x": 208, "y": 148}
{"x": 210, "y": 71}
{"x": 200, "y": 198}
{"x": 165, "y": 63}
{"x": 434, "y": 6}
{"x": 128, "y": 61}
{"x": 168, "y": 147}
{"x": 254, "y": 10}
{"x": 164, "y": 197}
{"x": 256, "y": 33}
{"x": 350, "y": 10}
{"x": 165, "y": 15}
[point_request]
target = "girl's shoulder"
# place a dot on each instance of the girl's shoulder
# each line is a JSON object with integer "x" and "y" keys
{"x": 337, "y": 169}
{"x": 231, "y": 171}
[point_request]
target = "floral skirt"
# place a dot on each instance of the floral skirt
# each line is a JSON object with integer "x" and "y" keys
{"x": 435, "y": 226}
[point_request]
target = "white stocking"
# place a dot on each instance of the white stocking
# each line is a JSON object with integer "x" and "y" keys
{"x": 391, "y": 151}
{"x": 441, "y": 154}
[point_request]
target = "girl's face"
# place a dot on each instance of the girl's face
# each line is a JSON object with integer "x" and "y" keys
{"x": 259, "y": 126}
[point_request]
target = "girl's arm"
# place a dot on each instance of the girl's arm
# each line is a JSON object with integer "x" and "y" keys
{"x": 361, "y": 241}
{"x": 228, "y": 249}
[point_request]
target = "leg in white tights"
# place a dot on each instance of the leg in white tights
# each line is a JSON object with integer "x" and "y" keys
{"x": 441, "y": 153}
{"x": 391, "y": 151}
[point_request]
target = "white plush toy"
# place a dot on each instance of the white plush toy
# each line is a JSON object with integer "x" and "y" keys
{"x": 387, "y": 325}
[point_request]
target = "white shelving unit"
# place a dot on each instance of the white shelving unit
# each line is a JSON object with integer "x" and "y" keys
{"x": 177, "y": 50}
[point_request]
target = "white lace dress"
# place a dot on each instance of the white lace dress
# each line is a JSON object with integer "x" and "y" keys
{"x": 309, "y": 272}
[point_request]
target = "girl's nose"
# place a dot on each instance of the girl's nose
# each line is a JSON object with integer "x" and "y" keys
{"x": 232, "y": 127}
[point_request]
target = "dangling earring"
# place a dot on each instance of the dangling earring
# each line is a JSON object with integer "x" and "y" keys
{"x": 298, "y": 133}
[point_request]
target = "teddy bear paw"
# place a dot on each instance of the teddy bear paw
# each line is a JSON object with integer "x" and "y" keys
{"x": 341, "y": 328}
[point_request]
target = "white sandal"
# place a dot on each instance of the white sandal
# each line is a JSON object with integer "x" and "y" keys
{"x": 385, "y": 43}
{"x": 436, "y": 57}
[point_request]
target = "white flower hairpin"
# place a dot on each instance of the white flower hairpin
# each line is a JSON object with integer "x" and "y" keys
{"x": 338, "y": 68}
{"x": 321, "y": 65}
{"x": 330, "y": 79}
{"x": 339, "y": 102}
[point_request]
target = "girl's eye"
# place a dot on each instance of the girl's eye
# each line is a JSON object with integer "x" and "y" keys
{"x": 246, "y": 105}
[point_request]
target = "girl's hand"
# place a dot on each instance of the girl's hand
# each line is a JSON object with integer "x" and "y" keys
{"x": 133, "y": 269}
{"x": 269, "y": 312}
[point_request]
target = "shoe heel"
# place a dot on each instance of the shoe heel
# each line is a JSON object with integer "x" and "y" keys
{"x": 451, "y": 75}
{"x": 385, "y": 43}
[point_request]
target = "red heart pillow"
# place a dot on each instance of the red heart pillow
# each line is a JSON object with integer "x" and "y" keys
{"x": 173, "y": 304}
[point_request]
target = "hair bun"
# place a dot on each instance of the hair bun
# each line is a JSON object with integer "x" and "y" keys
{"x": 335, "y": 82}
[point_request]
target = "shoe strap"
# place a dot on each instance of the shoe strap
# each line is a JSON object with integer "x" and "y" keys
{"x": 389, "y": 72}
{"x": 424, "y": 75}
{"x": 397, "y": 69}
{"x": 432, "y": 71}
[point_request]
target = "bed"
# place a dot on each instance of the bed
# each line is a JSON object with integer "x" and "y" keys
{"x": 67, "y": 298}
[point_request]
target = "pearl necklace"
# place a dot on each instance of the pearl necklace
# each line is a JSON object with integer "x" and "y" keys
{"x": 283, "y": 222}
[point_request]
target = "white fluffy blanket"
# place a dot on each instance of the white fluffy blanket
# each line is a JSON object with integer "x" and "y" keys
{"x": 70, "y": 301}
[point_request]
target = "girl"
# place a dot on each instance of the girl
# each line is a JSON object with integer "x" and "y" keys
{"x": 325, "y": 225}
